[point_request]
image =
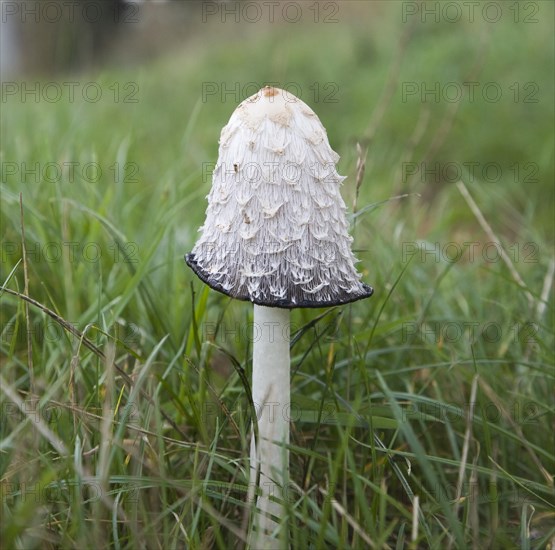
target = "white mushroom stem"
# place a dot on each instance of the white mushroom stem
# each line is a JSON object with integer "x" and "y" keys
{"x": 271, "y": 396}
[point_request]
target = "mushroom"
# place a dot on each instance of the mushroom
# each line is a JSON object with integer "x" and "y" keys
{"x": 275, "y": 235}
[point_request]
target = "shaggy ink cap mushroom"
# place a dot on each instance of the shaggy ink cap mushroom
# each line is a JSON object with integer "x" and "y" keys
{"x": 275, "y": 232}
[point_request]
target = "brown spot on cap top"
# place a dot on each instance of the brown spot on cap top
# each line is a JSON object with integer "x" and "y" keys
{"x": 268, "y": 103}
{"x": 270, "y": 91}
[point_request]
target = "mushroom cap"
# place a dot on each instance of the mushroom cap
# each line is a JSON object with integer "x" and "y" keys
{"x": 275, "y": 232}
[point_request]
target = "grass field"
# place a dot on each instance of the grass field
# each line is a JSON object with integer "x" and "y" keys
{"x": 124, "y": 416}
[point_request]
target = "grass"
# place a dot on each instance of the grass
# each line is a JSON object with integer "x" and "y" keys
{"x": 128, "y": 424}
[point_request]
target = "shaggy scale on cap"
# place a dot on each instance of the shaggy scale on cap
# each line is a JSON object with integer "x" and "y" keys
{"x": 275, "y": 232}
